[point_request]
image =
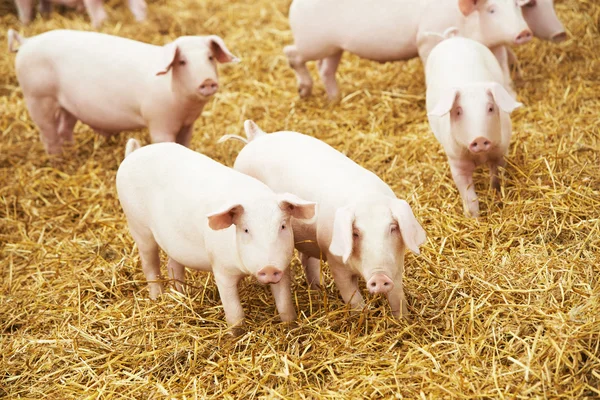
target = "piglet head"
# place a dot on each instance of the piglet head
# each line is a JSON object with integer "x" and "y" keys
{"x": 542, "y": 19}
{"x": 192, "y": 61}
{"x": 500, "y": 21}
{"x": 474, "y": 110}
{"x": 371, "y": 235}
{"x": 264, "y": 235}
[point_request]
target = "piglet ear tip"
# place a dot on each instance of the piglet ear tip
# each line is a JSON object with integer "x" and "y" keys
{"x": 235, "y": 60}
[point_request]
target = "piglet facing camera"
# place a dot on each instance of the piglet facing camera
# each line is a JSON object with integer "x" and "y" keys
{"x": 469, "y": 112}
{"x": 362, "y": 229}
{"x": 209, "y": 217}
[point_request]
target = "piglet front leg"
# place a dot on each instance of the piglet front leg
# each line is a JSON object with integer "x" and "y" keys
{"x": 397, "y": 300}
{"x": 462, "y": 173}
{"x": 283, "y": 298}
{"x": 95, "y": 10}
{"x": 230, "y": 298}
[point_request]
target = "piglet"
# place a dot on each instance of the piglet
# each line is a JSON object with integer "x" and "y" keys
{"x": 114, "y": 84}
{"x": 362, "y": 228}
{"x": 94, "y": 8}
{"x": 391, "y": 30}
{"x": 469, "y": 112}
{"x": 208, "y": 217}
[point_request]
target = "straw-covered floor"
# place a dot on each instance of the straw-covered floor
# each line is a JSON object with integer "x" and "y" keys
{"x": 503, "y": 306}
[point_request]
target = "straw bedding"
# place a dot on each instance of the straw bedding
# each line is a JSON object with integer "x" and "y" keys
{"x": 504, "y": 306}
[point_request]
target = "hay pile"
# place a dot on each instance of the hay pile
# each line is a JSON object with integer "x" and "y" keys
{"x": 503, "y": 306}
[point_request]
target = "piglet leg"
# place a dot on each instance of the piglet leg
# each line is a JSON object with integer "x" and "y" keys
{"x": 230, "y": 298}
{"x": 397, "y": 300}
{"x": 347, "y": 284}
{"x": 312, "y": 270}
{"x": 305, "y": 82}
{"x": 95, "y": 10}
{"x": 138, "y": 8}
{"x": 283, "y": 297}
{"x": 25, "y": 9}
{"x": 177, "y": 274}
{"x": 327, "y": 69}
{"x": 462, "y": 173}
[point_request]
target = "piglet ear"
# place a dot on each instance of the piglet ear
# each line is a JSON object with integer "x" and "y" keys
{"x": 225, "y": 217}
{"x": 502, "y": 98}
{"x": 297, "y": 208}
{"x": 341, "y": 240}
{"x": 252, "y": 130}
{"x": 445, "y": 103}
{"x": 413, "y": 234}
{"x": 467, "y": 6}
{"x": 221, "y": 52}
{"x": 168, "y": 56}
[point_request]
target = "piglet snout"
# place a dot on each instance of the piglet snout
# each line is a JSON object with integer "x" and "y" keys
{"x": 480, "y": 145}
{"x": 269, "y": 274}
{"x": 380, "y": 283}
{"x": 208, "y": 87}
{"x": 523, "y": 37}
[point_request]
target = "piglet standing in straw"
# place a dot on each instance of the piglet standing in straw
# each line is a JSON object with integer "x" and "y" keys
{"x": 209, "y": 217}
{"x": 114, "y": 84}
{"x": 94, "y": 8}
{"x": 469, "y": 112}
{"x": 362, "y": 228}
{"x": 391, "y": 30}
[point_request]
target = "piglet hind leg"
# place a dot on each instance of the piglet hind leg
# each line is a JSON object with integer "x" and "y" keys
{"x": 138, "y": 8}
{"x": 298, "y": 63}
{"x": 44, "y": 112}
{"x": 95, "y": 10}
{"x": 25, "y": 10}
{"x": 327, "y": 69}
{"x": 462, "y": 173}
{"x": 176, "y": 273}
{"x": 282, "y": 293}
{"x": 66, "y": 124}
{"x": 45, "y": 8}
{"x": 312, "y": 271}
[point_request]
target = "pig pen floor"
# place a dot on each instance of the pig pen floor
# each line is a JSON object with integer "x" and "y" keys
{"x": 503, "y": 306}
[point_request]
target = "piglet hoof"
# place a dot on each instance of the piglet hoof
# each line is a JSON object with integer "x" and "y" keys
{"x": 304, "y": 91}
{"x": 156, "y": 289}
{"x": 237, "y": 331}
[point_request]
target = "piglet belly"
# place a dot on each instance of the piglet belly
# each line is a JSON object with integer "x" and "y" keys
{"x": 191, "y": 253}
{"x": 104, "y": 113}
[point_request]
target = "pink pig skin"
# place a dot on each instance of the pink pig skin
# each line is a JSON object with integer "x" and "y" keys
{"x": 392, "y": 30}
{"x": 208, "y": 217}
{"x": 362, "y": 228}
{"x": 94, "y": 8}
{"x": 114, "y": 84}
{"x": 469, "y": 112}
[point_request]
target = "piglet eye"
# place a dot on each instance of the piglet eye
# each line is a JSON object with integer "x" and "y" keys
{"x": 211, "y": 58}
{"x": 492, "y": 10}
{"x": 394, "y": 228}
{"x": 459, "y": 111}
{"x": 282, "y": 227}
{"x": 491, "y": 109}
{"x": 181, "y": 62}
{"x": 355, "y": 235}
{"x": 246, "y": 230}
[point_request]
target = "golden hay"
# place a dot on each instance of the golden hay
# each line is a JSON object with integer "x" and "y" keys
{"x": 504, "y": 306}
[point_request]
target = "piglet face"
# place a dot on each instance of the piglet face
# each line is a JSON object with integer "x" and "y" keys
{"x": 542, "y": 19}
{"x": 474, "y": 110}
{"x": 371, "y": 236}
{"x": 500, "y": 21}
{"x": 264, "y": 234}
{"x": 192, "y": 61}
